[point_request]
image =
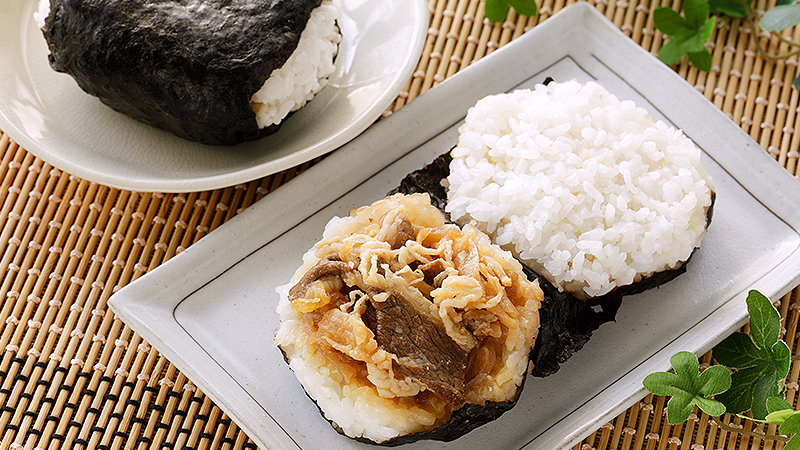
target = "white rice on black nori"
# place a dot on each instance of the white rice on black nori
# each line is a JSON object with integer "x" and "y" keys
{"x": 584, "y": 188}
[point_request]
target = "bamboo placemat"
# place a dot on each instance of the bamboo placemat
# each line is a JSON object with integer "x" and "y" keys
{"x": 74, "y": 376}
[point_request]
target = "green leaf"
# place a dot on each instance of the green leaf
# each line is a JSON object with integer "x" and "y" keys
{"x": 689, "y": 387}
{"x": 496, "y": 10}
{"x": 796, "y": 83}
{"x": 674, "y": 49}
{"x": 693, "y": 43}
{"x": 791, "y": 424}
{"x": 780, "y": 17}
{"x": 685, "y": 364}
{"x": 671, "y": 52}
{"x": 778, "y": 417}
{"x": 784, "y": 2}
{"x": 709, "y": 406}
{"x": 765, "y": 386}
{"x": 712, "y": 381}
{"x": 760, "y": 360}
{"x": 731, "y": 8}
{"x": 679, "y": 408}
{"x": 525, "y": 7}
{"x": 793, "y": 444}
{"x": 701, "y": 60}
{"x": 708, "y": 28}
{"x": 663, "y": 383}
{"x": 783, "y": 359}
{"x": 778, "y": 404}
{"x": 689, "y": 32}
{"x": 736, "y": 351}
{"x": 668, "y": 21}
{"x": 765, "y": 320}
{"x": 739, "y": 398}
{"x": 696, "y": 12}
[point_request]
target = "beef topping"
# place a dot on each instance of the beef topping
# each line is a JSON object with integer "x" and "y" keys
{"x": 431, "y": 270}
{"x": 403, "y": 232}
{"x": 328, "y": 266}
{"x": 425, "y": 352}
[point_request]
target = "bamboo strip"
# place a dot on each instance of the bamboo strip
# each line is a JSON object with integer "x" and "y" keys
{"x": 787, "y": 152}
{"x": 435, "y": 56}
{"x": 437, "y": 9}
{"x": 448, "y": 56}
{"x": 466, "y": 22}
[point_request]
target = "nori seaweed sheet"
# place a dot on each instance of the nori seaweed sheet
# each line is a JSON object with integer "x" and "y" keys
{"x": 188, "y": 69}
{"x": 462, "y": 421}
{"x": 567, "y": 322}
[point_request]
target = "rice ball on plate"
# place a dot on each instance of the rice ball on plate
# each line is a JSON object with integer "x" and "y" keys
{"x": 401, "y": 327}
{"x": 583, "y": 188}
{"x": 217, "y": 72}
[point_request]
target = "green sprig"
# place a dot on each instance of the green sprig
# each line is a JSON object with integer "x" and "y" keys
{"x": 760, "y": 360}
{"x": 694, "y": 28}
{"x": 496, "y": 10}
{"x": 749, "y": 377}
{"x": 689, "y": 32}
{"x": 689, "y": 387}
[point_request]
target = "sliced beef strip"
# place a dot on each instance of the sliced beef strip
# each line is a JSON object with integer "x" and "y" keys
{"x": 403, "y": 233}
{"x": 327, "y": 266}
{"x": 431, "y": 270}
{"x": 425, "y": 351}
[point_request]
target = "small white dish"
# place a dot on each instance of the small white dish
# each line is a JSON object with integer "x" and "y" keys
{"x": 211, "y": 309}
{"x": 50, "y": 116}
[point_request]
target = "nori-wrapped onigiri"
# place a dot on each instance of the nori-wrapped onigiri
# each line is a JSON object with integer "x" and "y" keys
{"x": 585, "y": 189}
{"x": 198, "y": 69}
{"x": 402, "y": 327}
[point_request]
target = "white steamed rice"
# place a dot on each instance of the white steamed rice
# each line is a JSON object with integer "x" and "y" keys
{"x": 41, "y": 12}
{"x": 305, "y": 73}
{"x": 584, "y": 188}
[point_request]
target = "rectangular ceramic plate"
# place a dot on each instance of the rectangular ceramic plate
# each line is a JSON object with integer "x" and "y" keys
{"x": 211, "y": 309}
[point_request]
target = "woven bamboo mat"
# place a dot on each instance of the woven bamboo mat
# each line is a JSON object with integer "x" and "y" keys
{"x": 74, "y": 376}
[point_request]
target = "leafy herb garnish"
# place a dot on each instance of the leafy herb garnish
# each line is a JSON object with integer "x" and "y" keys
{"x": 696, "y": 27}
{"x": 690, "y": 31}
{"x": 785, "y": 14}
{"x": 749, "y": 376}
{"x": 688, "y": 387}
{"x": 496, "y": 10}
{"x": 760, "y": 359}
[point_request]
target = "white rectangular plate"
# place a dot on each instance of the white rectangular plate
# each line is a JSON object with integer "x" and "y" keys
{"x": 211, "y": 309}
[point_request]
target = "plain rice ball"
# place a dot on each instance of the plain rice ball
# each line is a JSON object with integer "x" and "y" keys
{"x": 585, "y": 189}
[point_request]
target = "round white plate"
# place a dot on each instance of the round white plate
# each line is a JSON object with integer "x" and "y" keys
{"x": 47, "y": 113}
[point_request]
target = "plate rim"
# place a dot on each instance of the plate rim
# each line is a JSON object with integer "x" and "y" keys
{"x": 128, "y": 306}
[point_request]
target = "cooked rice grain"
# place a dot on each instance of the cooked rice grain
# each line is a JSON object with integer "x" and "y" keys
{"x": 584, "y": 188}
{"x": 305, "y": 73}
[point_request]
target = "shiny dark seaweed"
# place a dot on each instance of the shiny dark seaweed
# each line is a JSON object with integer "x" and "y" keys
{"x": 189, "y": 67}
{"x": 462, "y": 421}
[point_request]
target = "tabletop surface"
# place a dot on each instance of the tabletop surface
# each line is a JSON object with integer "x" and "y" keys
{"x": 72, "y": 375}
